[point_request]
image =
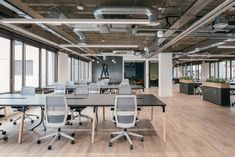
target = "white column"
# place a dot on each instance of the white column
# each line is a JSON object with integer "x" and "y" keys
{"x": 90, "y": 71}
{"x": 147, "y": 74}
{"x": 63, "y": 67}
{"x": 205, "y": 71}
{"x": 165, "y": 75}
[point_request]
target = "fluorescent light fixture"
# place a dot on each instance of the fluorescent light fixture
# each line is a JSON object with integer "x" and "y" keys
{"x": 99, "y": 46}
{"x": 75, "y": 21}
{"x": 211, "y": 55}
{"x": 197, "y": 59}
{"x": 226, "y": 47}
{"x": 160, "y": 34}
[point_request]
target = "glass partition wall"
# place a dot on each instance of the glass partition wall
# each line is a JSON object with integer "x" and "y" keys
{"x": 25, "y": 64}
{"x": 79, "y": 70}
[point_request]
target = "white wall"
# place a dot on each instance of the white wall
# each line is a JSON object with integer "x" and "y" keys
{"x": 205, "y": 71}
{"x": 63, "y": 67}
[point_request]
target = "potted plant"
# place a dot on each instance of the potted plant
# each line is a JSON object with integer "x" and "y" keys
{"x": 186, "y": 79}
{"x": 216, "y": 91}
{"x": 216, "y": 83}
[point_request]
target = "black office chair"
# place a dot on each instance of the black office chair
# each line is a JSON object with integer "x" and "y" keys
{"x": 81, "y": 89}
{"x": 27, "y": 91}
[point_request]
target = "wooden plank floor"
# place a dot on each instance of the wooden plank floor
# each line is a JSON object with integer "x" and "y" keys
{"x": 195, "y": 128}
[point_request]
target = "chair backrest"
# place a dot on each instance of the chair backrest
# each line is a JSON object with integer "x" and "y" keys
{"x": 59, "y": 88}
{"x": 69, "y": 83}
{"x": 125, "y": 110}
{"x": 104, "y": 81}
{"x": 125, "y": 81}
{"x": 83, "y": 82}
{"x": 27, "y": 90}
{"x": 81, "y": 90}
{"x": 94, "y": 88}
{"x": 56, "y": 111}
{"x": 124, "y": 89}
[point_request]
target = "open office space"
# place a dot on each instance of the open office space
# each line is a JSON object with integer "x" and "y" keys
{"x": 153, "y": 78}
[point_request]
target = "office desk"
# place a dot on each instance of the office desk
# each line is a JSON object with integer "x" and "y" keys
{"x": 24, "y": 101}
{"x": 105, "y": 100}
{"x": 95, "y": 101}
{"x": 67, "y": 88}
{"x": 105, "y": 87}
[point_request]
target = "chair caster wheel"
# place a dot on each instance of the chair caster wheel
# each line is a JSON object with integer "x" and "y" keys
{"x": 32, "y": 121}
{"x": 124, "y": 137}
{"x": 5, "y": 138}
{"x": 131, "y": 147}
{"x": 73, "y": 134}
{"x": 72, "y": 142}
{"x": 111, "y": 135}
{"x": 80, "y": 123}
{"x": 59, "y": 137}
{"x": 142, "y": 139}
{"x": 49, "y": 147}
{"x": 11, "y": 120}
{"x": 4, "y": 133}
{"x": 37, "y": 117}
{"x": 39, "y": 142}
{"x": 14, "y": 123}
{"x": 110, "y": 144}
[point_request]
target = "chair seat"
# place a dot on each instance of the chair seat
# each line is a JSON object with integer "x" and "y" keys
{"x": 20, "y": 108}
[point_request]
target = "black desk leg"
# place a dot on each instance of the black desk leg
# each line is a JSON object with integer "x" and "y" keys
{"x": 41, "y": 120}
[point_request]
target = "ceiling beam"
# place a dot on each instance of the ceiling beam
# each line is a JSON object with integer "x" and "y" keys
{"x": 186, "y": 17}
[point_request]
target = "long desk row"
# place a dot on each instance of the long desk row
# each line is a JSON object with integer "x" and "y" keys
{"x": 95, "y": 101}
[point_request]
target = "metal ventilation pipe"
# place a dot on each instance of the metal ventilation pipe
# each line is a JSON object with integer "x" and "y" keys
{"x": 106, "y": 10}
{"x": 80, "y": 35}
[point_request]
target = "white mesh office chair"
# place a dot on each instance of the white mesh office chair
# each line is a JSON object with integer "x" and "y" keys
{"x": 27, "y": 91}
{"x": 4, "y": 134}
{"x": 125, "y": 112}
{"x": 94, "y": 88}
{"x": 81, "y": 89}
{"x": 59, "y": 88}
{"x": 56, "y": 112}
{"x": 69, "y": 86}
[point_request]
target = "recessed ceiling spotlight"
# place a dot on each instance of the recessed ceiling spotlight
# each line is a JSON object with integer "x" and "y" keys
{"x": 79, "y": 5}
{"x": 103, "y": 41}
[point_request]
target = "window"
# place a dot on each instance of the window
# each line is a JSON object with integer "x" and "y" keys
{"x": 228, "y": 70}
{"x": 216, "y": 70}
{"x": 5, "y": 65}
{"x": 212, "y": 70}
{"x": 43, "y": 67}
{"x": 31, "y": 66}
{"x": 222, "y": 70}
{"x": 18, "y": 65}
{"x": 50, "y": 67}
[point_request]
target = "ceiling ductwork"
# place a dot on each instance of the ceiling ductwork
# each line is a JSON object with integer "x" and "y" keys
{"x": 80, "y": 35}
{"x": 101, "y": 12}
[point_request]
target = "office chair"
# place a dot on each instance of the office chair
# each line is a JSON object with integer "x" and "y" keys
{"x": 4, "y": 133}
{"x": 69, "y": 86}
{"x": 83, "y": 82}
{"x": 56, "y": 112}
{"x": 59, "y": 88}
{"x": 125, "y": 112}
{"x": 94, "y": 88}
{"x": 80, "y": 90}
{"x": 27, "y": 91}
{"x": 125, "y": 81}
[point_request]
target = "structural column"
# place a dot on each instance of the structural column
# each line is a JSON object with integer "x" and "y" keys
{"x": 205, "y": 71}
{"x": 146, "y": 74}
{"x": 165, "y": 75}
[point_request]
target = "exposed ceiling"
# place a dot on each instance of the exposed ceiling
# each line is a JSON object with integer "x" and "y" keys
{"x": 174, "y": 16}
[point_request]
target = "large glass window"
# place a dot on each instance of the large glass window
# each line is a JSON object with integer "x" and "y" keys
{"x": 31, "y": 66}
{"x": 233, "y": 69}
{"x": 18, "y": 65}
{"x": 50, "y": 68}
{"x": 216, "y": 69}
{"x": 222, "y": 70}
{"x": 5, "y": 65}
{"x": 43, "y": 67}
{"x": 228, "y": 70}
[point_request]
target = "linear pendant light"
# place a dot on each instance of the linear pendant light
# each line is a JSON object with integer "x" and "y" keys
{"x": 99, "y": 46}
{"x": 226, "y": 47}
{"x": 74, "y": 21}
